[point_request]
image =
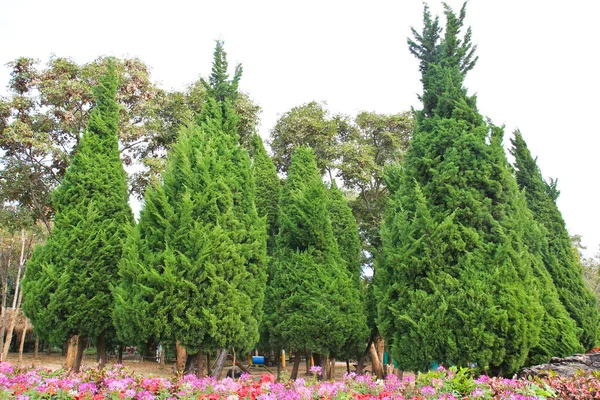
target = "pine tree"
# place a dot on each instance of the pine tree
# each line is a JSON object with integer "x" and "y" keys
{"x": 85, "y": 246}
{"x": 558, "y": 256}
{"x": 202, "y": 247}
{"x": 456, "y": 279}
{"x": 315, "y": 303}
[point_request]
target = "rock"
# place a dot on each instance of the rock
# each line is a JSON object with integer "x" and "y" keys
{"x": 565, "y": 366}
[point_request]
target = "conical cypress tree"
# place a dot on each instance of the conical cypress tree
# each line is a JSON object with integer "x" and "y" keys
{"x": 202, "y": 247}
{"x": 315, "y": 304}
{"x": 267, "y": 189}
{"x": 345, "y": 231}
{"x": 456, "y": 281}
{"x": 559, "y": 259}
{"x": 83, "y": 250}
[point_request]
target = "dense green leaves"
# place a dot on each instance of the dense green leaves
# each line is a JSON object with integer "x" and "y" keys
{"x": 267, "y": 189}
{"x": 460, "y": 279}
{"x": 199, "y": 277}
{"x": 559, "y": 258}
{"x": 67, "y": 287}
{"x": 313, "y": 302}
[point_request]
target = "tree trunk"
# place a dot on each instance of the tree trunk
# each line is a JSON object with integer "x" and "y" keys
{"x": 347, "y": 366}
{"x": 189, "y": 364}
{"x": 325, "y": 367}
{"x": 71, "y": 352}
{"x": 317, "y": 359}
{"x": 361, "y": 362}
{"x": 399, "y": 373}
{"x": 23, "y": 341}
{"x": 376, "y": 362}
{"x": 278, "y": 369}
{"x": 4, "y": 273}
{"x": 11, "y": 327}
{"x": 120, "y": 355}
{"x": 332, "y": 369}
{"x": 36, "y": 348}
{"x": 296, "y": 366}
{"x": 79, "y": 354}
{"x": 181, "y": 358}
{"x": 208, "y": 366}
{"x": 199, "y": 366}
{"x": 233, "y": 365}
{"x": 219, "y": 366}
{"x": 308, "y": 356}
{"x": 101, "y": 351}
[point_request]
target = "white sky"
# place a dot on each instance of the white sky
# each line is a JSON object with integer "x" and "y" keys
{"x": 537, "y": 70}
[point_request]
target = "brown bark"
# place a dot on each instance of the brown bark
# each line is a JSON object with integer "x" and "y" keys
{"x": 36, "y": 349}
{"x": 332, "y": 369}
{"x": 220, "y": 362}
{"x": 79, "y": 354}
{"x": 71, "y": 352}
{"x": 308, "y": 355}
{"x": 11, "y": 328}
{"x": 101, "y": 351}
{"x": 181, "y": 358}
{"x": 296, "y": 366}
{"x": 399, "y": 373}
{"x": 208, "y": 368}
{"x": 361, "y": 362}
{"x": 199, "y": 365}
{"x": 22, "y": 341}
{"x": 376, "y": 362}
{"x": 325, "y": 368}
{"x": 347, "y": 366}
{"x": 233, "y": 365}
{"x": 278, "y": 369}
{"x": 120, "y": 355}
{"x": 237, "y": 363}
{"x": 4, "y": 273}
{"x": 380, "y": 347}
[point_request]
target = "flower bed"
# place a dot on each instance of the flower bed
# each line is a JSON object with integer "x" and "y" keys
{"x": 118, "y": 383}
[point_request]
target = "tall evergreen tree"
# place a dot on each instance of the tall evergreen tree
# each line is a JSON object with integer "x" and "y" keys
{"x": 79, "y": 263}
{"x": 315, "y": 304}
{"x": 267, "y": 189}
{"x": 558, "y": 256}
{"x": 345, "y": 231}
{"x": 202, "y": 246}
{"x": 456, "y": 280}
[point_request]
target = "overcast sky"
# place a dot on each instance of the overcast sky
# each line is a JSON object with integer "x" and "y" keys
{"x": 537, "y": 69}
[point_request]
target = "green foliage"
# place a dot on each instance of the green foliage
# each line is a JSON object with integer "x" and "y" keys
{"x": 345, "y": 231}
{"x": 559, "y": 258}
{"x": 313, "y": 302}
{"x": 354, "y": 150}
{"x": 199, "y": 277}
{"x": 458, "y": 280}
{"x": 66, "y": 289}
{"x": 374, "y": 141}
{"x": 267, "y": 189}
{"x": 306, "y": 125}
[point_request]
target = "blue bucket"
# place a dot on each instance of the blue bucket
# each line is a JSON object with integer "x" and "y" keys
{"x": 258, "y": 360}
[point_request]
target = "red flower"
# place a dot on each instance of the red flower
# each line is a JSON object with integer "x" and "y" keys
{"x": 267, "y": 378}
{"x": 212, "y": 396}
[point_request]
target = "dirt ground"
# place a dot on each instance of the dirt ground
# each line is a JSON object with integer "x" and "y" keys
{"x": 149, "y": 368}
